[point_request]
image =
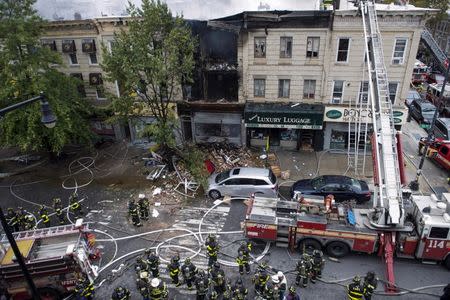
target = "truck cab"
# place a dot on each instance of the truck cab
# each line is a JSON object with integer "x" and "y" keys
{"x": 433, "y": 94}
{"x": 439, "y": 151}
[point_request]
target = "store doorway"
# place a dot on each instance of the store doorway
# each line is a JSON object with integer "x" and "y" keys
{"x": 274, "y": 137}
{"x": 306, "y": 140}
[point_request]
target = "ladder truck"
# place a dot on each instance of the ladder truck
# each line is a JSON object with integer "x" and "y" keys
{"x": 418, "y": 227}
{"x": 55, "y": 257}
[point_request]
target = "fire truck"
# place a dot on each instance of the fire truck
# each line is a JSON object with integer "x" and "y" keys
{"x": 420, "y": 73}
{"x": 396, "y": 224}
{"x": 438, "y": 151}
{"x": 55, "y": 258}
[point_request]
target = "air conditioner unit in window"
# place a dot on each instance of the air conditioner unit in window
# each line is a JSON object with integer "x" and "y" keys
{"x": 88, "y": 46}
{"x": 336, "y": 100}
{"x": 397, "y": 61}
{"x": 68, "y": 46}
{"x": 50, "y": 44}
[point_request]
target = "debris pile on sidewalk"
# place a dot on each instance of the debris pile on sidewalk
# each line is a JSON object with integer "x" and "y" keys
{"x": 226, "y": 156}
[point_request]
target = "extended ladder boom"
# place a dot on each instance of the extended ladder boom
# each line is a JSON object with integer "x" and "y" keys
{"x": 388, "y": 195}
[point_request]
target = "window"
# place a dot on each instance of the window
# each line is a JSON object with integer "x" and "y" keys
{"x": 312, "y": 47}
{"x": 399, "y": 51}
{"x": 363, "y": 92}
{"x": 73, "y": 58}
{"x": 338, "y": 91}
{"x": 438, "y": 233}
{"x": 260, "y": 47}
{"x": 93, "y": 58}
{"x": 309, "y": 89}
{"x": 283, "y": 88}
{"x": 100, "y": 92}
{"x": 259, "y": 87}
{"x": 343, "y": 46}
{"x": 259, "y": 182}
{"x": 393, "y": 91}
{"x": 285, "y": 47}
{"x": 444, "y": 151}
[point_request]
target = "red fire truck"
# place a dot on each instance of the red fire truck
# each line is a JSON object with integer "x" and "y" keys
{"x": 316, "y": 223}
{"x": 438, "y": 151}
{"x": 55, "y": 257}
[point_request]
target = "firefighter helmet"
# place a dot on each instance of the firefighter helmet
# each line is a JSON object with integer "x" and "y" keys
{"x": 292, "y": 290}
{"x": 187, "y": 261}
{"x": 356, "y": 279}
{"x": 155, "y": 282}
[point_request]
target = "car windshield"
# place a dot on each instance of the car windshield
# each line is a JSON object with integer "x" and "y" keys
{"x": 222, "y": 176}
{"x": 355, "y": 184}
{"x": 318, "y": 182}
{"x": 413, "y": 95}
{"x": 428, "y": 109}
{"x": 272, "y": 177}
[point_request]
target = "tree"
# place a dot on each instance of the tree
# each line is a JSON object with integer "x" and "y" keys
{"x": 151, "y": 60}
{"x": 26, "y": 70}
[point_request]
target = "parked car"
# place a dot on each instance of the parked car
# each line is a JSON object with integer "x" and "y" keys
{"x": 243, "y": 182}
{"x": 422, "y": 111}
{"x": 441, "y": 128}
{"x": 412, "y": 95}
{"x": 341, "y": 187}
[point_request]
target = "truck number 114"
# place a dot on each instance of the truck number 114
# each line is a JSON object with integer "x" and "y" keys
{"x": 436, "y": 244}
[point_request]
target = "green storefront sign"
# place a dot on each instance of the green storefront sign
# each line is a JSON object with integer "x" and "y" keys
{"x": 284, "y": 117}
{"x": 333, "y": 114}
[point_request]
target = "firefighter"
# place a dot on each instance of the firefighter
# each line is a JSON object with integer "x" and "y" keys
{"x": 260, "y": 279}
{"x": 212, "y": 248}
{"x": 142, "y": 284}
{"x": 158, "y": 289}
{"x": 245, "y": 248}
{"x": 242, "y": 259}
{"x": 153, "y": 262}
{"x": 369, "y": 285}
{"x": 292, "y": 294}
{"x": 188, "y": 270}
{"x": 141, "y": 265}
{"x": 75, "y": 206}
{"x": 269, "y": 292}
{"x": 29, "y": 222}
{"x": 133, "y": 213}
{"x": 174, "y": 270}
{"x": 57, "y": 206}
{"x": 79, "y": 288}
{"x": 228, "y": 293}
{"x": 201, "y": 285}
{"x": 239, "y": 290}
{"x": 44, "y": 216}
{"x": 120, "y": 293}
{"x": 11, "y": 219}
{"x": 218, "y": 278}
{"x": 317, "y": 265}
{"x": 354, "y": 290}
{"x": 213, "y": 295}
{"x": 302, "y": 275}
{"x": 144, "y": 207}
{"x": 309, "y": 266}
{"x": 279, "y": 285}
{"x": 21, "y": 214}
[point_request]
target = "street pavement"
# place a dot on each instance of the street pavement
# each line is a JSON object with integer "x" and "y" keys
{"x": 108, "y": 189}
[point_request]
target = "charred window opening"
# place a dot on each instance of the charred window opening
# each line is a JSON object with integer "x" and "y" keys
{"x": 260, "y": 47}
{"x": 286, "y": 47}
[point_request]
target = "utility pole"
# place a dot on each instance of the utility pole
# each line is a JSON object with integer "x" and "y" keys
{"x": 414, "y": 185}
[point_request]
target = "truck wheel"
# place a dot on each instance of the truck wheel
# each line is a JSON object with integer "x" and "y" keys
{"x": 337, "y": 249}
{"x": 447, "y": 262}
{"x": 49, "y": 294}
{"x": 308, "y": 245}
{"x": 214, "y": 194}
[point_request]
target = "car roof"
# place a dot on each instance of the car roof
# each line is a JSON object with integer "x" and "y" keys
{"x": 335, "y": 178}
{"x": 445, "y": 121}
{"x": 424, "y": 103}
{"x": 245, "y": 172}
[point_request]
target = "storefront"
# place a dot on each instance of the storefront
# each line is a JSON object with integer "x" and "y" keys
{"x": 211, "y": 123}
{"x": 342, "y": 127}
{"x": 289, "y": 126}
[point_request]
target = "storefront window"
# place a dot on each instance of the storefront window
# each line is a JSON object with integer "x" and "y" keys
{"x": 338, "y": 140}
{"x": 289, "y": 135}
{"x": 217, "y": 130}
{"x": 259, "y": 134}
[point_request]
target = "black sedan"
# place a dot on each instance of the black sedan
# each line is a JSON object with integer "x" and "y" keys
{"x": 341, "y": 187}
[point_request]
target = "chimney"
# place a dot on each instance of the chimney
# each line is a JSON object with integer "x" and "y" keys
{"x": 77, "y": 16}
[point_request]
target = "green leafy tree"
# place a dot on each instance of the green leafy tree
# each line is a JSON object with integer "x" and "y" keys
{"x": 150, "y": 60}
{"x": 25, "y": 71}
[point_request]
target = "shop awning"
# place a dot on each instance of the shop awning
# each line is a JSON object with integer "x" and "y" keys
{"x": 284, "y": 115}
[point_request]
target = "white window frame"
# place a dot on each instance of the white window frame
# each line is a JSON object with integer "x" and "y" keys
{"x": 96, "y": 92}
{"x": 90, "y": 61}
{"x": 396, "y": 91}
{"x": 341, "y": 100}
{"x": 70, "y": 59}
{"x": 289, "y": 89}
{"x": 361, "y": 92}
{"x": 285, "y": 39}
{"x": 348, "y": 49}
{"x": 309, "y": 85}
{"x": 313, "y": 38}
{"x": 254, "y": 88}
{"x": 402, "y": 59}
{"x": 254, "y": 47}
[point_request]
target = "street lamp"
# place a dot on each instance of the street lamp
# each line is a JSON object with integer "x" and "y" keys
{"x": 414, "y": 185}
{"x": 49, "y": 120}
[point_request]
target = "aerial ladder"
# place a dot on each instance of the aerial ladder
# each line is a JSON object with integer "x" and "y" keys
{"x": 388, "y": 213}
{"x": 427, "y": 38}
